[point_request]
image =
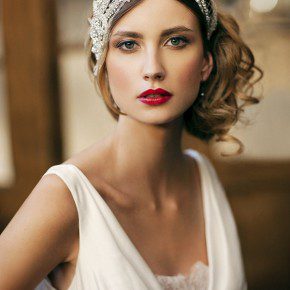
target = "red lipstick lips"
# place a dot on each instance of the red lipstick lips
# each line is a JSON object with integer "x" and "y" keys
{"x": 155, "y": 97}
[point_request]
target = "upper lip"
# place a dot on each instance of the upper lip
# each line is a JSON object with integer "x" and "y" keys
{"x": 158, "y": 91}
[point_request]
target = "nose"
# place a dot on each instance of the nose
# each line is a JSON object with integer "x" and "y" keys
{"x": 153, "y": 70}
{"x": 154, "y": 76}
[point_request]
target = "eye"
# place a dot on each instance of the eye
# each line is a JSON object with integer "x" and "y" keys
{"x": 178, "y": 39}
{"x": 121, "y": 44}
{"x": 129, "y": 44}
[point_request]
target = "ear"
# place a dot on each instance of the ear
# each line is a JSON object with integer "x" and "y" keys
{"x": 207, "y": 66}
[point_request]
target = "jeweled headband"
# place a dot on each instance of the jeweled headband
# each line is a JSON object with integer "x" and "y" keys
{"x": 104, "y": 11}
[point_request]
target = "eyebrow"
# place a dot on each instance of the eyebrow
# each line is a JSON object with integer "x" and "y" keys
{"x": 164, "y": 33}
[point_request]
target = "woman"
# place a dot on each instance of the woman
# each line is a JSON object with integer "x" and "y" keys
{"x": 134, "y": 211}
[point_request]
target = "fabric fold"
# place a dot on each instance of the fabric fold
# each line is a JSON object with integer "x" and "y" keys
{"x": 109, "y": 260}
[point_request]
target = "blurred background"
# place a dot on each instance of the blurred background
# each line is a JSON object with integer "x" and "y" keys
{"x": 49, "y": 111}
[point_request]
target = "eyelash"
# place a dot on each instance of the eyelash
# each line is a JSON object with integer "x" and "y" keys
{"x": 120, "y": 44}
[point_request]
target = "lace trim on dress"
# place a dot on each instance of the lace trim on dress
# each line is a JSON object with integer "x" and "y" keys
{"x": 197, "y": 279}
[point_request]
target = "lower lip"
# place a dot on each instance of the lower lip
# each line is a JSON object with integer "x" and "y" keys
{"x": 153, "y": 101}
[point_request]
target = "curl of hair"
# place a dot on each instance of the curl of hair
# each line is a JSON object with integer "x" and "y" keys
{"x": 227, "y": 91}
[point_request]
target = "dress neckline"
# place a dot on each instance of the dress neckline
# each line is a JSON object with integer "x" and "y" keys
{"x": 140, "y": 260}
{"x": 196, "y": 266}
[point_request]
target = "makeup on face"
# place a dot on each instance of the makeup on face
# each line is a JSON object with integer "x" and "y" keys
{"x": 181, "y": 33}
{"x": 155, "y": 97}
{"x": 142, "y": 48}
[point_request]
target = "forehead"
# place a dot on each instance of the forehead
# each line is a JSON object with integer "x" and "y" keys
{"x": 153, "y": 15}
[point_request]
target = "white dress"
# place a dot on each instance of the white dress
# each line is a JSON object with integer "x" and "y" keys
{"x": 108, "y": 260}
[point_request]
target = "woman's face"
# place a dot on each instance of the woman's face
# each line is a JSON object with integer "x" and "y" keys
{"x": 174, "y": 62}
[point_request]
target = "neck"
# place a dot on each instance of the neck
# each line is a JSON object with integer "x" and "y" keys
{"x": 147, "y": 159}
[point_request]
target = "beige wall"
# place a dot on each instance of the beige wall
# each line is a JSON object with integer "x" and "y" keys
{"x": 85, "y": 115}
{"x": 268, "y": 135}
{"x": 6, "y": 165}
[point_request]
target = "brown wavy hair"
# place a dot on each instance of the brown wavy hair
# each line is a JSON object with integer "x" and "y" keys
{"x": 227, "y": 91}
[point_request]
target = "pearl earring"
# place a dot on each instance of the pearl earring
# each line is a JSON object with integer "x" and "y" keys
{"x": 201, "y": 90}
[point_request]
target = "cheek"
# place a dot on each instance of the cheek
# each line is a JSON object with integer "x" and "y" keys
{"x": 189, "y": 72}
{"x": 119, "y": 75}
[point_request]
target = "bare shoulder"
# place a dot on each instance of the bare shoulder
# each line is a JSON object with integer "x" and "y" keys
{"x": 40, "y": 236}
{"x": 92, "y": 161}
{"x": 96, "y": 164}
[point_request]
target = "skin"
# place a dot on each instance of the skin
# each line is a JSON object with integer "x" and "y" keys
{"x": 139, "y": 169}
{"x": 153, "y": 62}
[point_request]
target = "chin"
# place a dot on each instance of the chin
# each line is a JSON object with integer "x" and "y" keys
{"x": 157, "y": 118}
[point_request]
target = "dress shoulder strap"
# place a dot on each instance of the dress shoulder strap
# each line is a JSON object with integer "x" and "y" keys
{"x": 68, "y": 175}
{"x": 107, "y": 258}
{"x": 225, "y": 257}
